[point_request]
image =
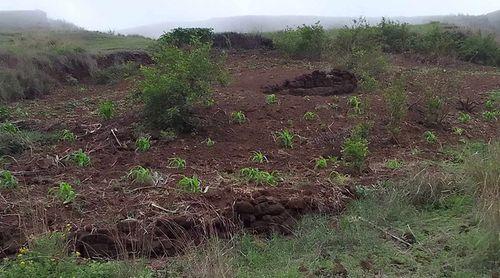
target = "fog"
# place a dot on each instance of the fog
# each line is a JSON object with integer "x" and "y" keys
{"x": 120, "y": 14}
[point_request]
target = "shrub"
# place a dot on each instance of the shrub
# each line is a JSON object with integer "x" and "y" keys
{"x": 181, "y": 37}
{"x": 480, "y": 49}
{"x": 80, "y": 158}
{"x": 238, "y": 117}
{"x": 140, "y": 175}
{"x": 179, "y": 80}
{"x": 258, "y": 157}
{"x": 286, "y": 138}
{"x": 7, "y": 180}
{"x": 191, "y": 184}
{"x": 396, "y": 101}
{"x": 355, "y": 151}
{"x": 66, "y": 193}
{"x": 106, "y": 109}
{"x": 308, "y": 41}
{"x": 177, "y": 162}
{"x": 434, "y": 109}
{"x": 259, "y": 177}
{"x": 356, "y": 105}
{"x": 143, "y": 144}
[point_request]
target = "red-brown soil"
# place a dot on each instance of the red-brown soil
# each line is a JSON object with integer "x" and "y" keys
{"x": 111, "y": 214}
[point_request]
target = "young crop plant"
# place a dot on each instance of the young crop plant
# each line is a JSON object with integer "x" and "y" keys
{"x": 259, "y": 157}
{"x": 80, "y": 158}
{"x": 321, "y": 163}
{"x": 286, "y": 138}
{"x": 68, "y": 136}
{"x": 271, "y": 99}
{"x": 65, "y": 193}
{"x": 491, "y": 115}
{"x": 191, "y": 184}
{"x": 355, "y": 151}
{"x": 393, "y": 164}
{"x": 177, "y": 162}
{"x": 430, "y": 137}
{"x": 140, "y": 175}
{"x": 259, "y": 177}
{"x": 464, "y": 117}
{"x": 209, "y": 142}
{"x": 396, "y": 101}
{"x": 7, "y": 180}
{"x": 143, "y": 144}
{"x": 107, "y": 109}
{"x": 458, "y": 131}
{"x": 356, "y": 105}
{"x": 238, "y": 117}
{"x": 310, "y": 116}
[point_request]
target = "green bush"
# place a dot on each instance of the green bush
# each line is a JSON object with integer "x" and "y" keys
{"x": 106, "y": 109}
{"x": 179, "y": 80}
{"x": 396, "y": 101}
{"x": 307, "y": 41}
{"x": 181, "y": 37}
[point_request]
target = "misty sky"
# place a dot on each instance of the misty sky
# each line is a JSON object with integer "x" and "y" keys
{"x": 117, "y": 14}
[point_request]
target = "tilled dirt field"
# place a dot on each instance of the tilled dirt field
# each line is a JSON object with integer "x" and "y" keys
{"x": 111, "y": 215}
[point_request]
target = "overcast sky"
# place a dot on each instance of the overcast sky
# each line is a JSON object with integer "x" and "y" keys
{"x": 118, "y": 14}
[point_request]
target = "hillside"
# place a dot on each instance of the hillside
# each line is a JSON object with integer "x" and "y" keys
{"x": 31, "y": 19}
{"x": 247, "y": 24}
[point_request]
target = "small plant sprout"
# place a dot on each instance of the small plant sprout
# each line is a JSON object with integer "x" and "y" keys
{"x": 177, "y": 162}
{"x": 286, "y": 138}
{"x": 259, "y": 177}
{"x": 355, "y": 103}
{"x": 106, "y": 109}
{"x": 490, "y": 115}
{"x": 209, "y": 142}
{"x": 393, "y": 164}
{"x": 66, "y": 193}
{"x": 143, "y": 144}
{"x": 338, "y": 178}
{"x": 430, "y": 137}
{"x": 258, "y": 157}
{"x": 191, "y": 184}
{"x": 321, "y": 163}
{"x": 458, "y": 131}
{"x": 7, "y": 180}
{"x": 355, "y": 151}
{"x": 68, "y": 136}
{"x": 310, "y": 116}
{"x": 271, "y": 99}
{"x": 238, "y": 117}
{"x": 80, "y": 158}
{"x": 464, "y": 117}
{"x": 140, "y": 175}
{"x": 9, "y": 127}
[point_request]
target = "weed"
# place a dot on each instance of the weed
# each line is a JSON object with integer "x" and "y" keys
{"x": 393, "y": 164}
{"x": 238, "y": 117}
{"x": 286, "y": 138}
{"x": 107, "y": 109}
{"x": 458, "y": 131}
{"x": 259, "y": 177}
{"x": 321, "y": 163}
{"x": 168, "y": 135}
{"x": 209, "y": 142}
{"x": 68, "y": 136}
{"x": 338, "y": 178}
{"x": 7, "y": 180}
{"x": 177, "y": 162}
{"x": 464, "y": 117}
{"x": 80, "y": 158}
{"x": 9, "y": 128}
{"x": 271, "y": 99}
{"x": 434, "y": 111}
{"x": 310, "y": 116}
{"x": 355, "y": 151}
{"x": 430, "y": 137}
{"x": 143, "y": 144}
{"x": 258, "y": 157}
{"x": 491, "y": 115}
{"x": 396, "y": 98}
{"x": 140, "y": 175}
{"x": 356, "y": 105}
{"x": 191, "y": 184}
{"x": 65, "y": 193}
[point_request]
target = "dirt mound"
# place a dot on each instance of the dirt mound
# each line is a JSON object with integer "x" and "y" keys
{"x": 242, "y": 41}
{"x": 334, "y": 82}
{"x": 122, "y": 57}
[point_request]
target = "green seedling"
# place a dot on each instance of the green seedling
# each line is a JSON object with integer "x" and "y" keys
{"x": 491, "y": 115}
{"x": 321, "y": 163}
{"x": 7, "y": 180}
{"x": 190, "y": 184}
{"x": 68, "y": 136}
{"x": 489, "y": 104}
{"x": 66, "y": 193}
{"x": 177, "y": 162}
{"x": 80, "y": 158}
{"x": 355, "y": 103}
{"x": 464, "y": 117}
{"x": 106, "y": 109}
{"x": 430, "y": 137}
{"x": 259, "y": 177}
{"x": 458, "y": 131}
{"x": 271, "y": 99}
{"x": 393, "y": 164}
{"x": 238, "y": 117}
{"x": 143, "y": 144}
{"x": 9, "y": 128}
{"x": 258, "y": 157}
{"x": 286, "y": 138}
{"x": 140, "y": 175}
{"x": 310, "y": 116}
{"x": 209, "y": 142}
